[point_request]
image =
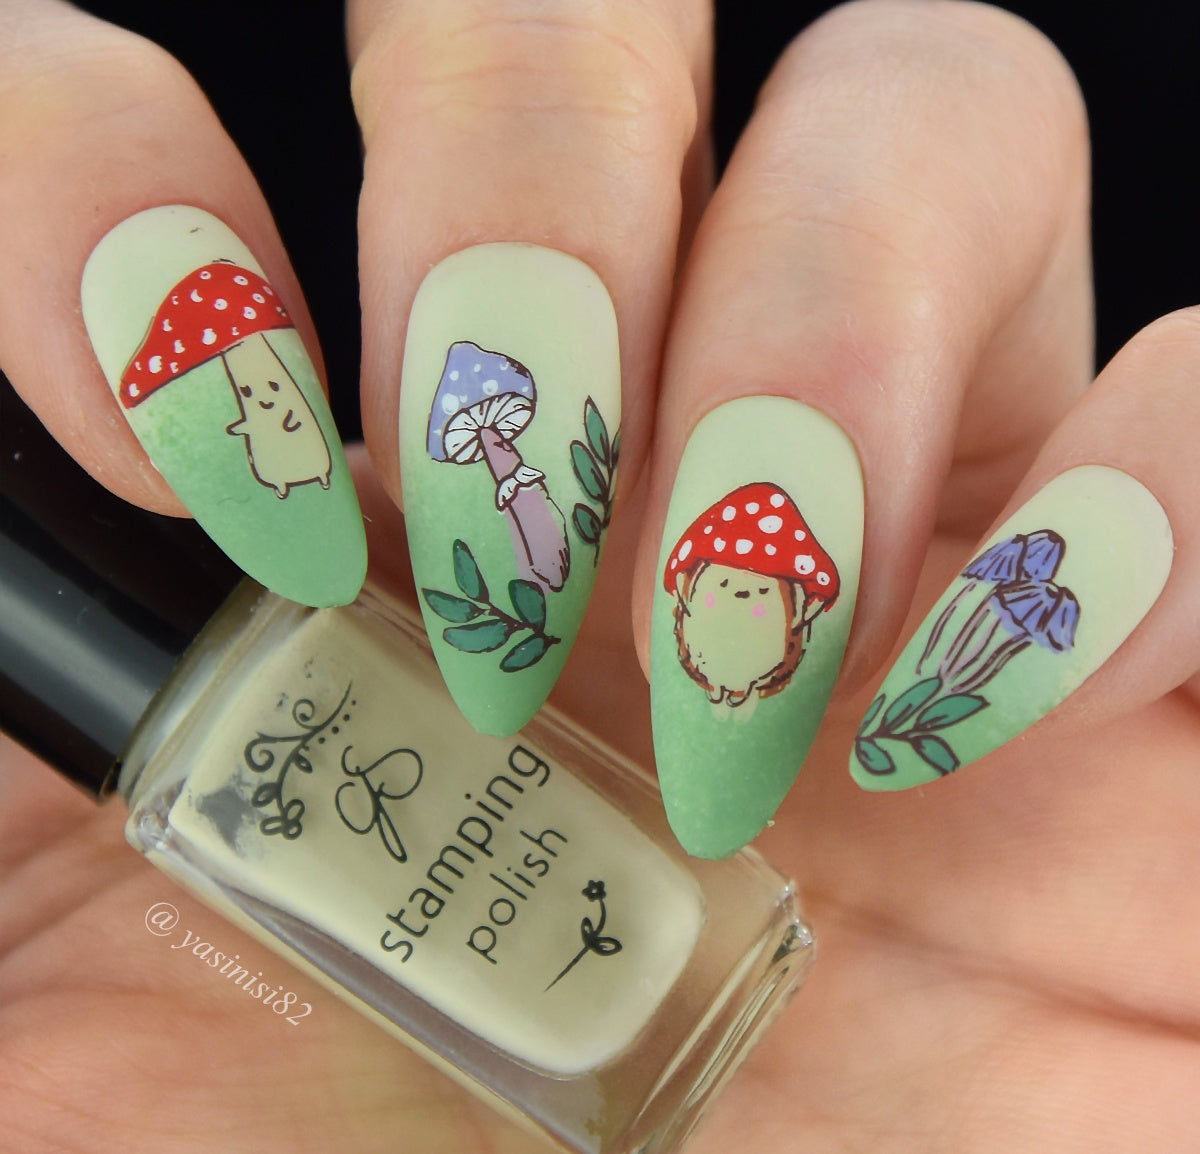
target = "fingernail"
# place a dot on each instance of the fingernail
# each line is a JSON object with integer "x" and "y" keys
{"x": 1038, "y": 609}
{"x": 216, "y": 384}
{"x": 509, "y": 437}
{"x": 758, "y": 576}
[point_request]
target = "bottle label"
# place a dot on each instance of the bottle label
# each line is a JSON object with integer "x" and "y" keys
{"x": 346, "y": 790}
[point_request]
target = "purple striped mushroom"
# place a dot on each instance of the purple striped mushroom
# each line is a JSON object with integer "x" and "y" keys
{"x": 484, "y": 401}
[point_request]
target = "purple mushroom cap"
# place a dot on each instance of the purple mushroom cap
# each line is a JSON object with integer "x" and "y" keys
{"x": 479, "y": 389}
{"x": 1040, "y": 610}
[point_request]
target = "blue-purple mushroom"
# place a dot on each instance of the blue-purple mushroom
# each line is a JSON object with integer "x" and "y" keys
{"x": 484, "y": 401}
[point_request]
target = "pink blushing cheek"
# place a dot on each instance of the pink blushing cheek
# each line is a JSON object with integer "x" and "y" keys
{"x": 710, "y": 600}
{"x": 759, "y": 610}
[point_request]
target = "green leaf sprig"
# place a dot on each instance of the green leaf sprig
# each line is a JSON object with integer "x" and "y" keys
{"x": 478, "y": 625}
{"x": 594, "y": 461}
{"x": 915, "y": 718}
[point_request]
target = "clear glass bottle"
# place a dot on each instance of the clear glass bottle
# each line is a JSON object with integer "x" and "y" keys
{"x": 514, "y": 909}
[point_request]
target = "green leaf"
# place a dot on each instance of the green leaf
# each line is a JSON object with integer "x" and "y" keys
{"x": 528, "y": 652}
{"x": 478, "y": 637}
{"x": 949, "y": 711}
{"x": 588, "y": 471}
{"x": 466, "y": 572}
{"x": 872, "y": 713}
{"x": 597, "y": 432}
{"x": 909, "y": 702}
{"x": 616, "y": 449}
{"x": 587, "y": 524}
{"x": 529, "y": 602}
{"x": 450, "y": 608}
{"x": 935, "y": 752}
{"x": 873, "y": 757}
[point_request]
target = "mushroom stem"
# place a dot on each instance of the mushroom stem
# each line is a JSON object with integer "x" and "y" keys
{"x": 538, "y": 529}
{"x": 284, "y": 443}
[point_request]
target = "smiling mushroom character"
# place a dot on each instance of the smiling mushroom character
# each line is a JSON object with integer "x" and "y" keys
{"x": 749, "y": 579}
{"x": 224, "y": 310}
{"x": 484, "y": 401}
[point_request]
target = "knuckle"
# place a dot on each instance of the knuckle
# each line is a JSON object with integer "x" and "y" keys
{"x": 520, "y": 67}
{"x": 54, "y": 93}
{"x": 983, "y": 56}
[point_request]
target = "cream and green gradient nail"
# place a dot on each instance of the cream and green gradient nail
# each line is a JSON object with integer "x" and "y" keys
{"x": 757, "y": 581}
{"x": 216, "y": 384}
{"x": 510, "y": 409}
{"x": 1038, "y": 609}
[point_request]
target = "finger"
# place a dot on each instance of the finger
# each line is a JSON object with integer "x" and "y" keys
{"x": 888, "y": 298}
{"x": 138, "y": 249}
{"x": 519, "y": 220}
{"x": 1090, "y": 582}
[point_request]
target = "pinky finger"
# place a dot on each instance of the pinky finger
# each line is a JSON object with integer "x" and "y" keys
{"x": 1082, "y": 601}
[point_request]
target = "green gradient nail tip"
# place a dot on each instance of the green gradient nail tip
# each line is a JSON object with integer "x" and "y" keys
{"x": 1038, "y": 610}
{"x": 757, "y": 582}
{"x": 510, "y": 412}
{"x": 218, "y": 387}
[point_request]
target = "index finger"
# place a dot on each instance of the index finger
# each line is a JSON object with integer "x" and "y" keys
{"x": 125, "y": 203}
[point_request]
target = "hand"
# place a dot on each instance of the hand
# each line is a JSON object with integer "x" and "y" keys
{"x": 968, "y": 992}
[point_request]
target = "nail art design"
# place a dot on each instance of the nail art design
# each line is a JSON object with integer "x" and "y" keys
{"x": 508, "y": 415}
{"x": 226, "y": 311}
{"x": 484, "y": 402}
{"x": 752, "y": 618}
{"x": 214, "y": 381}
{"x": 749, "y": 579}
{"x": 1020, "y": 605}
{"x": 1024, "y": 624}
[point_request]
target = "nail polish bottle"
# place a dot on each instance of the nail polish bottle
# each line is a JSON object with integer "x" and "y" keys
{"x": 516, "y": 910}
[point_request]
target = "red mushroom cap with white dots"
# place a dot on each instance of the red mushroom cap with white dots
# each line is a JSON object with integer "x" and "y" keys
{"x": 210, "y": 310}
{"x": 757, "y": 528}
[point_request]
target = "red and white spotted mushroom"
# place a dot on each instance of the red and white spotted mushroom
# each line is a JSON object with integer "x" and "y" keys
{"x": 749, "y": 579}
{"x": 210, "y": 313}
{"x": 224, "y": 310}
{"x": 758, "y": 528}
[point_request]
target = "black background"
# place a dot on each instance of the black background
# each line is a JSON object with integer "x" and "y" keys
{"x": 1139, "y": 67}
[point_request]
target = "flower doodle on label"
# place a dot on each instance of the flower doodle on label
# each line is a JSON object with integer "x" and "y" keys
{"x": 1021, "y": 605}
{"x": 361, "y": 801}
{"x": 749, "y": 579}
{"x": 594, "y": 941}
{"x": 223, "y": 310}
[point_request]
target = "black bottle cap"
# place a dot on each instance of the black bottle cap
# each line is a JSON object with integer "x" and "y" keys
{"x": 98, "y": 600}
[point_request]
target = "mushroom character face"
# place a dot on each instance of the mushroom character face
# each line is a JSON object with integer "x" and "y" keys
{"x": 749, "y": 580}
{"x": 484, "y": 402}
{"x": 224, "y": 310}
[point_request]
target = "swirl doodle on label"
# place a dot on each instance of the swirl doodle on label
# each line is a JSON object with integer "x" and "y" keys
{"x": 282, "y": 753}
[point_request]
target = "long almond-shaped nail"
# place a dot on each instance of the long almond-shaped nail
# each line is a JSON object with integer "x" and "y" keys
{"x": 509, "y": 438}
{"x": 757, "y": 582}
{"x": 218, "y": 387}
{"x": 1040, "y": 607}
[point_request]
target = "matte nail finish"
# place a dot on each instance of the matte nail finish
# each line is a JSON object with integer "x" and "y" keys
{"x": 509, "y": 440}
{"x": 757, "y": 582}
{"x": 1038, "y": 609}
{"x": 217, "y": 385}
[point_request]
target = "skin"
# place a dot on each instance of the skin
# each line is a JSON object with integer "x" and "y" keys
{"x": 1008, "y": 957}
